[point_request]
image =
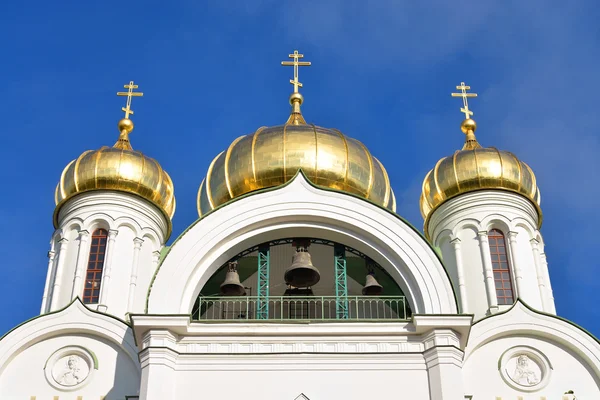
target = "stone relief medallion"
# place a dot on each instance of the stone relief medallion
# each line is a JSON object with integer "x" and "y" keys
{"x": 525, "y": 368}
{"x": 70, "y": 368}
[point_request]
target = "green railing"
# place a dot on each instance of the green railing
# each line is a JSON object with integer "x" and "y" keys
{"x": 313, "y": 308}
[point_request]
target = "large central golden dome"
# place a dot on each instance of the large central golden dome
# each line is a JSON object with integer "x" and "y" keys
{"x": 271, "y": 156}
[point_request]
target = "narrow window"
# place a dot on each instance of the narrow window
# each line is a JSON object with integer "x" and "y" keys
{"x": 93, "y": 277}
{"x": 500, "y": 267}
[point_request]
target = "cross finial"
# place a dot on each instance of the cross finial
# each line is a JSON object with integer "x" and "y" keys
{"x": 465, "y": 109}
{"x": 130, "y": 93}
{"x": 296, "y": 56}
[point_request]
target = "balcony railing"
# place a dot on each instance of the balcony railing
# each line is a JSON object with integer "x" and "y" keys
{"x": 309, "y": 308}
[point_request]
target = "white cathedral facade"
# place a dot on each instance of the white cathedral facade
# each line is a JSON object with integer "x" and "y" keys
{"x": 298, "y": 281}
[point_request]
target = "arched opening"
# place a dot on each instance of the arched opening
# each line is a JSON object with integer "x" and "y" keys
{"x": 255, "y": 284}
{"x": 93, "y": 275}
{"x": 501, "y": 268}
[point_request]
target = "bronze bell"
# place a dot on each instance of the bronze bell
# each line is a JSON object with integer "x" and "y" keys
{"x": 232, "y": 286}
{"x": 302, "y": 273}
{"x": 372, "y": 287}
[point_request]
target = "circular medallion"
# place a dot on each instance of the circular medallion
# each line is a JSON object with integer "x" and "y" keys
{"x": 525, "y": 368}
{"x": 69, "y": 368}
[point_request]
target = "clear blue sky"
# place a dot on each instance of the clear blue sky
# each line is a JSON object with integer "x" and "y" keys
{"x": 382, "y": 73}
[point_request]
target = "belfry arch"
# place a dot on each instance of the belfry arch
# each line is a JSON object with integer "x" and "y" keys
{"x": 259, "y": 283}
{"x": 300, "y": 209}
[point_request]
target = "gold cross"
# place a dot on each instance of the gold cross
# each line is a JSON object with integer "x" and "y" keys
{"x": 130, "y": 93}
{"x": 296, "y": 64}
{"x": 465, "y": 95}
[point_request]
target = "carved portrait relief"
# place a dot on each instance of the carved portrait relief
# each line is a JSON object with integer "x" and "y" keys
{"x": 70, "y": 370}
{"x": 526, "y": 372}
{"x": 70, "y": 367}
{"x": 525, "y": 368}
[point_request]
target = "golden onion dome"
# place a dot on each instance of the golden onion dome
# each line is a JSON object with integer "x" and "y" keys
{"x": 117, "y": 168}
{"x": 475, "y": 168}
{"x": 272, "y": 156}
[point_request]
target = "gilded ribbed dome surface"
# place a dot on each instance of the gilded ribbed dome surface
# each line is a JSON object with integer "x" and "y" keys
{"x": 475, "y": 168}
{"x": 118, "y": 168}
{"x": 272, "y": 156}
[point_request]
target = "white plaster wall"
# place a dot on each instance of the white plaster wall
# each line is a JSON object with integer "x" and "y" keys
{"x": 466, "y": 215}
{"x": 531, "y": 291}
{"x": 473, "y": 272}
{"x": 319, "y": 378}
{"x": 482, "y": 378}
{"x": 130, "y": 217}
{"x": 116, "y": 377}
{"x": 146, "y": 269}
{"x": 121, "y": 272}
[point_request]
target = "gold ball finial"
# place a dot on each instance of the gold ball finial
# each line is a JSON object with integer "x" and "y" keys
{"x": 125, "y": 125}
{"x": 468, "y": 125}
{"x": 296, "y": 97}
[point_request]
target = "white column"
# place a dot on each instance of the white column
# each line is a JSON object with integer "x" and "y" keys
{"x": 539, "y": 271}
{"x": 137, "y": 246}
{"x": 548, "y": 283}
{"x": 512, "y": 245}
{"x": 110, "y": 249}
{"x": 60, "y": 266}
{"x": 51, "y": 255}
{"x": 486, "y": 257}
{"x": 82, "y": 261}
{"x": 462, "y": 288}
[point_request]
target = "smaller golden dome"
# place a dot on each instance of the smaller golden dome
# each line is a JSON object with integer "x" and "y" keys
{"x": 475, "y": 168}
{"x": 117, "y": 168}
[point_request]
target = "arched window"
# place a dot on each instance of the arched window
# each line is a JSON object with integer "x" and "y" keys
{"x": 500, "y": 267}
{"x": 93, "y": 276}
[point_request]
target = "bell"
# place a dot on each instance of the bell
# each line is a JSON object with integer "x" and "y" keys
{"x": 302, "y": 273}
{"x": 232, "y": 286}
{"x": 372, "y": 287}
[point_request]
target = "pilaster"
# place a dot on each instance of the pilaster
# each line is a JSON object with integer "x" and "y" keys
{"x": 82, "y": 258}
{"x": 444, "y": 365}
{"x": 490, "y": 285}
{"x": 51, "y": 255}
{"x": 516, "y": 263}
{"x": 60, "y": 266}
{"x": 539, "y": 271}
{"x": 548, "y": 283}
{"x": 462, "y": 288}
{"x": 137, "y": 246}
{"x": 104, "y": 289}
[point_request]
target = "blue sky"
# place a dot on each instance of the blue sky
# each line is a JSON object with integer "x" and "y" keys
{"x": 382, "y": 73}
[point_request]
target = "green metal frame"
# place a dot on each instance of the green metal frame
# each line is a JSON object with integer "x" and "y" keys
{"x": 262, "y": 304}
{"x": 341, "y": 282}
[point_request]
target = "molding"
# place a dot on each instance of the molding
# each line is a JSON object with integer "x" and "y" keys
{"x": 302, "y": 209}
{"x": 74, "y": 319}
{"x": 90, "y": 206}
{"x": 521, "y": 319}
{"x": 511, "y": 206}
{"x": 178, "y": 333}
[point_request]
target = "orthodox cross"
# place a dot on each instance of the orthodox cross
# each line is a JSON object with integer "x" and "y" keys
{"x": 465, "y": 95}
{"x": 130, "y": 93}
{"x": 296, "y": 64}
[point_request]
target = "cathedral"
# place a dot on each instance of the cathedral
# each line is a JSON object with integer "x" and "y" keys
{"x": 298, "y": 281}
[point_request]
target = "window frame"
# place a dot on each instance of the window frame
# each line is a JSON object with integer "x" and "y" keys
{"x": 94, "y": 271}
{"x": 498, "y": 248}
